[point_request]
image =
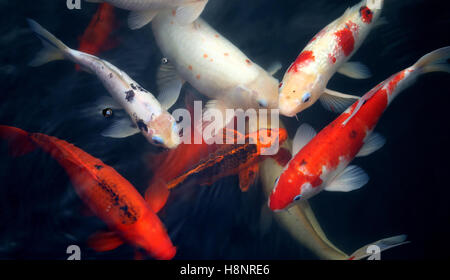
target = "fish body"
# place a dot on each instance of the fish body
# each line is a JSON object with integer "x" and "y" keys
{"x": 146, "y": 113}
{"x": 198, "y": 54}
{"x": 232, "y": 159}
{"x": 306, "y": 79}
{"x": 143, "y": 11}
{"x": 322, "y": 161}
{"x": 96, "y": 37}
{"x": 108, "y": 195}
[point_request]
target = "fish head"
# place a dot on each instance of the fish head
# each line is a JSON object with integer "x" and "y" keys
{"x": 298, "y": 91}
{"x": 163, "y": 131}
{"x": 266, "y": 138}
{"x": 290, "y": 188}
{"x": 150, "y": 234}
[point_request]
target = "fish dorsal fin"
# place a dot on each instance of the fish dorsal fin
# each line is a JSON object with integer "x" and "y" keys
{"x": 352, "y": 178}
{"x": 302, "y": 137}
{"x": 121, "y": 128}
{"x": 137, "y": 19}
{"x": 169, "y": 84}
{"x": 104, "y": 241}
{"x": 336, "y": 102}
{"x": 374, "y": 142}
{"x": 355, "y": 70}
{"x": 187, "y": 13}
{"x": 157, "y": 195}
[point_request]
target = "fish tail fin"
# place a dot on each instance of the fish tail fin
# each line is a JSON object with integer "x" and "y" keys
{"x": 379, "y": 246}
{"x": 53, "y": 49}
{"x": 19, "y": 141}
{"x": 435, "y": 61}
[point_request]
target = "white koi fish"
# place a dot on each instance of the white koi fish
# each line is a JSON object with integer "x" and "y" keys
{"x": 143, "y": 11}
{"x": 198, "y": 54}
{"x": 327, "y": 53}
{"x": 147, "y": 115}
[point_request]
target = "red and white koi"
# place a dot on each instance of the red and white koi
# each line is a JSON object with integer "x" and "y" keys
{"x": 327, "y": 53}
{"x": 322, "y": 161}
{"x": 143, "y": 11}
{"x": 146, "y": 113}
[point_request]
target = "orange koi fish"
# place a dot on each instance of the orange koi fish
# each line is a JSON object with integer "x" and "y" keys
{"x": 107, "y": 194}
{"x": 232, "y": 159}
{"x": 322, "y": 161}
{"x": 96, "y": 37}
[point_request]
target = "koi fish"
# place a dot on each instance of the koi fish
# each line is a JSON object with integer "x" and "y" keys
{"x": 305, "y": 80}
{"x": 95, "y": 38}
{"x": 147, "y": 115}
{"x": 107, "y": 194}
{"x": 322, "y": 161}
{"x": 232, "y": 159}
{"x": 198, "y": 54}
{"x": 143, "y": 11}
{"x": 301, "y": 224}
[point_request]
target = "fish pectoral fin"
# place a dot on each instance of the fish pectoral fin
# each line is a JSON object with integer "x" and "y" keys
{"x": 215, "y": 118}
{"x": 120, "y": 129}
{"x": 302, "y": 137}
{"x": 352, "y": 178}
{"x": 336, "y": 102}
{"x": 248, "y": 177}
{"x": 157, "y": 194}
{"x": 138, "y": 19}
{"x": 355, "y": 70}
{"x": 187, "y": 13}
{"x": 282, "y": 157}
{"x": 103, "y": 241}
{"x": 274, "y": 68}
{"x": 169, "y": 85}
{"x": 374, "y": 142}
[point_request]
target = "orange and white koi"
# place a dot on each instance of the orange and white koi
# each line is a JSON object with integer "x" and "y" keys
{"x": 306, "y": 79}
{"x": 322, "y": 161}
{"x": 108, "y": 195}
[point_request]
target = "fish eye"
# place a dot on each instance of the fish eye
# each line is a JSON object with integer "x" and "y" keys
{"x": 262, "y": 103}
{"x": 107, "y": 112}
{"x": 164, "y": 60}
{"x": 306, "y": 97}
{"x": 298, "y": 197}
{"x": 157, "y": 140}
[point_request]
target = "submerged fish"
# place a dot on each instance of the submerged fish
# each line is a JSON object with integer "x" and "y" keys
{"x": 322, "y": 161}
{"x": 305, "y": 80}
{"x": 107, "y": 194}
{"x": 147, "y": 114}
{"x": 143, "y": 11}
{"x": 198, "y": 54}
{"x": 301, "y": 224}
{"x": 232, "y": 159}
{"x": 96, "y": 37}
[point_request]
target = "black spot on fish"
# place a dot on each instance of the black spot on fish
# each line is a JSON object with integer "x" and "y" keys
{"x": 142, "y": 126}
{"x": 110, "y": 75}
{"x": 99, "y": 167}
{"x": 303, "y": 162}
{"x": 353, "y": 134}
{"x": 133, "y": 87}
{"x": 129, "y": 95}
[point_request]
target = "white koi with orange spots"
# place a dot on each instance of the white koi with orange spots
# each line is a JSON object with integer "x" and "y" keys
{"x": 198, "y": 54}
{"x": 306, "y": 79}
